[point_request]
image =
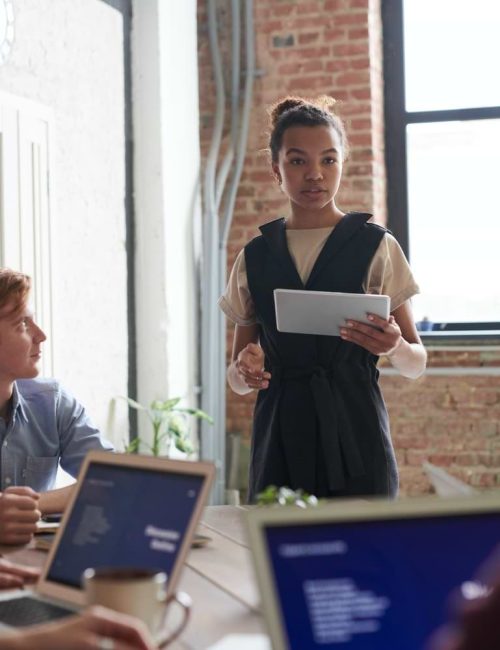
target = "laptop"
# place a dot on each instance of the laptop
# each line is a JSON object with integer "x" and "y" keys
{"x": 301, "y": 311}
{"x": 369, "y": 576}
{"x": 126, "y": 510}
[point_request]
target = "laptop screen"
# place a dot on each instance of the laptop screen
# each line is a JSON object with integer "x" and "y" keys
{"x": 374, "y": 585}
{"x": 125, "y": 516}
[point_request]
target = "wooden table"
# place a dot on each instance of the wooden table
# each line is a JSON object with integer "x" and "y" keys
{"x": 218, "y": 577}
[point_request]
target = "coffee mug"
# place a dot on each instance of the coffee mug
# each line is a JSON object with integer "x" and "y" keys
{"x": 137, "y": 592}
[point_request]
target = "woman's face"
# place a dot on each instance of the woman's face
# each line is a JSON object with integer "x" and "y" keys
{"x": 309, "y": 166}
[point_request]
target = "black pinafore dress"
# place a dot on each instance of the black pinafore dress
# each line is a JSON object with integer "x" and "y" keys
{"x": 322, "y": 424}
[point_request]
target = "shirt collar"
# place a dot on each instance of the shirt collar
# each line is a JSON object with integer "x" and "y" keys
{"x": 18, "y": 403}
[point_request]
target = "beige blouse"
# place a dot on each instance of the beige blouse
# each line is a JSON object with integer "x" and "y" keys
{"x": 389, "y": 273}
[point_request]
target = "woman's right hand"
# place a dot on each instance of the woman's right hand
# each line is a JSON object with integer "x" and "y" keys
{"x": 250, "y": 367}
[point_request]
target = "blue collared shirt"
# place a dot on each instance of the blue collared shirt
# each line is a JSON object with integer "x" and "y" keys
{"x": 47, "y": 426}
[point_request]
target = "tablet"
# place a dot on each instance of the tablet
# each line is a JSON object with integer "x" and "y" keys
{"x": 325, "y": 312}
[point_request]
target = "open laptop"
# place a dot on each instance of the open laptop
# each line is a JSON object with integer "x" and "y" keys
{"x": 369, "y": 576}
{"x": 126, "y": 510}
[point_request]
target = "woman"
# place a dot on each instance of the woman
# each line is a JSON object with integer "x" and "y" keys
{"x": 320, "y": 421}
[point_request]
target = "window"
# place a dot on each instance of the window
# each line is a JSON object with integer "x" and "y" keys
{"x": 25, "y": 232}
{"x": 442, "y": 105}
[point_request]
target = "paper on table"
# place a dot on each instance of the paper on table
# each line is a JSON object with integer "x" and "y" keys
{"x": 46, "y": 526}
{"x": 243, "y": 642}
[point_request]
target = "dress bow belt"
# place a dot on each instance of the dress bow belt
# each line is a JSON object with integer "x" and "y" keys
{"x": 341, "y": 453}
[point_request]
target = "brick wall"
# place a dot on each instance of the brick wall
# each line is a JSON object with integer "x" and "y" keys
{"x": 312, "y": 47}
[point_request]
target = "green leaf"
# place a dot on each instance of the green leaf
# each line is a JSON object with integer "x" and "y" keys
{"x": 183, "y": 444}
{"x": 176, "y": 429}
{"x": 166, "y": 405}
{"x": 133, "y": 446}
{"x": 198, "y": 413}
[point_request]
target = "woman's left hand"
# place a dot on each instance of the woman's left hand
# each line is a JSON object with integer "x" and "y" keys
{"x": 382, "y": 338}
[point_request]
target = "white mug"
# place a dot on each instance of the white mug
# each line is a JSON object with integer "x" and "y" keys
{"x": 137, "y": 592}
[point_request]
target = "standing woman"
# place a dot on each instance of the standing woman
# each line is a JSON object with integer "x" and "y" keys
{"x": 320, "y": 422}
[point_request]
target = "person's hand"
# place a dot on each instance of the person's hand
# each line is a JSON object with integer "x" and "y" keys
{"x": 476, "y": 628}
{"x": 476, "y": 613}
{"x": 19, "y": 515}
{"x": 15, "y": 576}
{"x": 381, "y": 338}
{"x": 250, "y": 366}
{"x": 95, "y": 628}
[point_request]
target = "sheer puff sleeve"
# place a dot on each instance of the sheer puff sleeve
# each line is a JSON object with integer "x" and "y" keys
{"x": 390, "y": 274}
{"x": 237, "y": 302}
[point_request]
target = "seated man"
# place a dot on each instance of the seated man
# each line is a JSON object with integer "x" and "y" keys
{"x": 41, "y": 425}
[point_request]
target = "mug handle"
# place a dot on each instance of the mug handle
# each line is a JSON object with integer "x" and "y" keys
{"x": 184, "y": 600}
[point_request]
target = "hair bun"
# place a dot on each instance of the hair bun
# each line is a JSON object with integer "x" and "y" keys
{"x": 283, "y": 105}
{"x": 323, "y": 102}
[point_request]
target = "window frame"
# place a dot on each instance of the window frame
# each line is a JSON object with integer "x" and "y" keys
{"x": 397, "y": 118}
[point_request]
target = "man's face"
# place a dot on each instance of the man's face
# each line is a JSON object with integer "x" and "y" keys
{"x": 20, "y": 344}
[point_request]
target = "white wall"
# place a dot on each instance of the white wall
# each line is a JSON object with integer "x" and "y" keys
{"x": 68, "y": 56}
{"x": 166, "y": 169}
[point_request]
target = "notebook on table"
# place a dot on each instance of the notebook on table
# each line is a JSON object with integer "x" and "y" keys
{"x": 368, "y": 576}
{"x": 126, "y": 510}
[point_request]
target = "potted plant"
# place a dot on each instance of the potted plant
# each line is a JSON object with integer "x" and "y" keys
{"x": 284, "y": 496}
{"x": 170, "y": 426}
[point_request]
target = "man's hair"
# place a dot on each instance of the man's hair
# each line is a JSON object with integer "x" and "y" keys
{"x": 14, "y": 290}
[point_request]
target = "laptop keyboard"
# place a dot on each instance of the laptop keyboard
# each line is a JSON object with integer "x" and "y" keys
{"x": 19, "y": 612}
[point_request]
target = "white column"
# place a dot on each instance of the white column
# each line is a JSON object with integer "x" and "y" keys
{"x": 166, "y": 170}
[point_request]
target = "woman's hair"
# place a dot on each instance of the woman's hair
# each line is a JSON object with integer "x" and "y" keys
{"x": 14, "y": 290}
{"x": 298, "y": 111}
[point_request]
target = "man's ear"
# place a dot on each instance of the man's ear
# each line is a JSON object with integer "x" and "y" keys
{"x": 276, "y": 173}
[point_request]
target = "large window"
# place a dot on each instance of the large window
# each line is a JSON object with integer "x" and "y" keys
{"x": 442, "y": 103}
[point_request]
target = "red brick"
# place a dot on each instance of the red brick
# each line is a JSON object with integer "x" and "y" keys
{"x": 353, "y": 78}
{"x": 313, "y": 66}
{"x": 283, "y": 9}
{"x": 358, "y": 33}
{"x": 309, "y": 7}
{"x": 362, "y": 63}
{"x": 337, "y": 65}
{"x": 350, "y": 49}
{"x": 361, "y": 124}
{"x": 307, "y": 38}
{"x": 351, "y": 19}
{"x": 308, "y": 53}
{"x": 311, "y": 82}
{"x": 415, "y": 457}
{"x": 334, "y": 5}
{"x": 270, "y": 26}
{"x": 334, "y": 35}
{"x": 360, "y": 93}
{"x": 365, "y": 139}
